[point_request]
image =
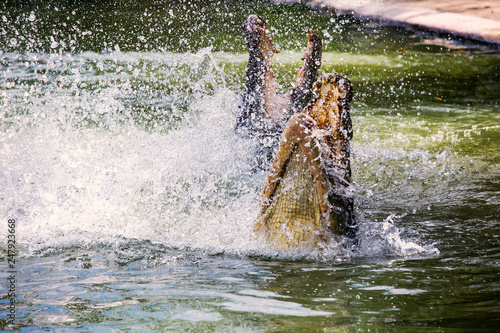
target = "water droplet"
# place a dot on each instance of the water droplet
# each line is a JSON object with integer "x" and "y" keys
{"x": 32, "y": 17}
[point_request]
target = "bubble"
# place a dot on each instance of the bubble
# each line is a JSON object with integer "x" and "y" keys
{"x": 32, "y": 17}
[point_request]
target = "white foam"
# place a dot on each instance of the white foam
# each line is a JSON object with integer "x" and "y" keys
{"x": 78, "y": 168}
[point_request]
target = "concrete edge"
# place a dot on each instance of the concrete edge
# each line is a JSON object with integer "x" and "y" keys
{"x": 472, "y": 28}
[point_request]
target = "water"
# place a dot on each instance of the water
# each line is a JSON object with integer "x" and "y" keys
{"x": 134, "y": 199}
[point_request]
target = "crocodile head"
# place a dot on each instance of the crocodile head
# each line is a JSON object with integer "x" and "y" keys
{"x": 306, "y": 197}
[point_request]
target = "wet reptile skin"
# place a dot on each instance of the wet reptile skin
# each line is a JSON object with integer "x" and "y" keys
{"x": 306, "y": 196}
{"x": 294, "y": 219}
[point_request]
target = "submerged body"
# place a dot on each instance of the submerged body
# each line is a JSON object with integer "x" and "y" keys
{"x": 307, "y": 196}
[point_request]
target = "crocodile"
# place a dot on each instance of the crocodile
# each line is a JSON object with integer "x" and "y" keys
{"x": 307, "y": 197}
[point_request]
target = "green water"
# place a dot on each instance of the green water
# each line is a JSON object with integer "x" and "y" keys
{"x": 134, "y": 199}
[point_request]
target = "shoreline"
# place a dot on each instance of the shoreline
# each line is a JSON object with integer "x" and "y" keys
{"x": 469, "y": 20}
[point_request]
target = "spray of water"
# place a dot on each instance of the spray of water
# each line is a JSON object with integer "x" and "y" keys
{"x": 110, "y": 148}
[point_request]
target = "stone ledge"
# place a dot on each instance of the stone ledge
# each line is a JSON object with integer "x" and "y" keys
{"x": 472, "y": 27}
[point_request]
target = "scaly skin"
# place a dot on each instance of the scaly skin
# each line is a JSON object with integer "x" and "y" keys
{"x": 260, "y": 90}
{"x": 307, "y": 74}
{"x": 306, "y": 196}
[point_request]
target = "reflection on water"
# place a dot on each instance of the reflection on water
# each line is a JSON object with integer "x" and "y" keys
{"x": 135, "y": 199}
{"x": 170, "y": 289}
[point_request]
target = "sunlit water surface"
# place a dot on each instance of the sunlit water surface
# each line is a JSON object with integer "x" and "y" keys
{"x": 135, "y": 199}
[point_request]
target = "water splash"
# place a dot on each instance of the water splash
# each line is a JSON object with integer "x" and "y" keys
{"x": 108, "y": 148}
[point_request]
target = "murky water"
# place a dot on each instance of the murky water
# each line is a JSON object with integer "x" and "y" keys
{"x": 134, "y": 199}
